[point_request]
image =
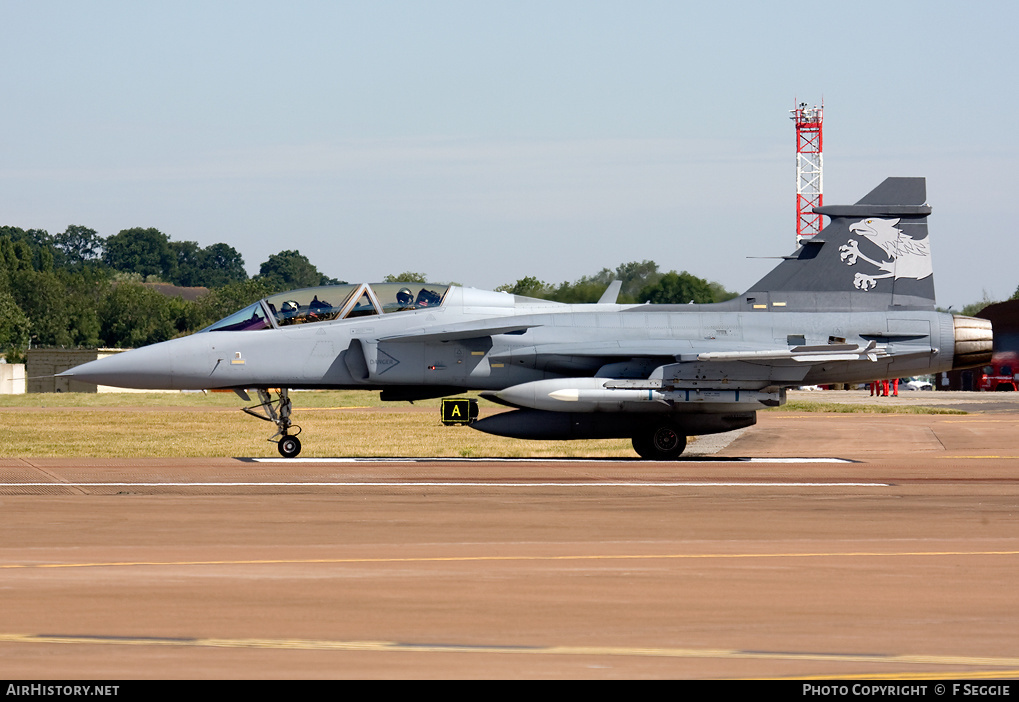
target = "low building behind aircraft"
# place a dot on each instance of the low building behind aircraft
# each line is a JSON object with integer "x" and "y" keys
{"x": 853, "y": 304}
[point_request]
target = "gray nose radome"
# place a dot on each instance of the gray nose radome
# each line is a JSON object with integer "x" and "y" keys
{"x": 149, "y": 367}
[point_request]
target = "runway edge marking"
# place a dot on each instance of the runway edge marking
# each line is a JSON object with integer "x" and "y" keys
{"x": 408, "y": 459}
{"x": 409, "y": 647}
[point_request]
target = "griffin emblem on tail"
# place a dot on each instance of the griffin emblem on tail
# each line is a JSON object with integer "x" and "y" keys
{"x": 908, "y": 257}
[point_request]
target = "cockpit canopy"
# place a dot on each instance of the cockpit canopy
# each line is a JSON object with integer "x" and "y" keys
{"x": 332, "y": 302}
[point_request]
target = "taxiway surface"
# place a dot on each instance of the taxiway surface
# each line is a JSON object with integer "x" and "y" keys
{"x": 879, "y": 546}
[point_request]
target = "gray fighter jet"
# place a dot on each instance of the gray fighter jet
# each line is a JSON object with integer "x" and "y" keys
{"x": 854, "y": 303}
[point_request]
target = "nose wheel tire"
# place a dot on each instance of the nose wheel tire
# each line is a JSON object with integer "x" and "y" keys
{"x": 289, "y": 446}
{"x": 660, "y": 443}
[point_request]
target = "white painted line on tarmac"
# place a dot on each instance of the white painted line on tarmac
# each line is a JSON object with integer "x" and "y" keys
{"x": 681, "y": 461}
{"x": 457, "y": 483}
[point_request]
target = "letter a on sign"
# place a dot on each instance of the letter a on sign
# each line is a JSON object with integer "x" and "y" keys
{"x": 459, "y": 411}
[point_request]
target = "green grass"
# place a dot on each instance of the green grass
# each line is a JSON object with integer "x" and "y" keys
{"x": 334, "y": 423}
{"x": 228, "y": 399}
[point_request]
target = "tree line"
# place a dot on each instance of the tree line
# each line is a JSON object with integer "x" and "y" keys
{"x": 78, "y": 289}
{"x": 641, "y": 282}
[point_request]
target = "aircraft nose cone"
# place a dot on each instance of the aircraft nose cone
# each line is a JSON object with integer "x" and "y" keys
{"x": 147, "y": 368}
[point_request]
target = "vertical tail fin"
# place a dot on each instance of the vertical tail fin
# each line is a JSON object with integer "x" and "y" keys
{"x": 872, "y": 255}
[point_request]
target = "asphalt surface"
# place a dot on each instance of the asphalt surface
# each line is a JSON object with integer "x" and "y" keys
{"x": 811, "y": 545}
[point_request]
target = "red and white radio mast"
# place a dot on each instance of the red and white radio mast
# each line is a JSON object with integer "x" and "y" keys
{"x": 809, "y": 181}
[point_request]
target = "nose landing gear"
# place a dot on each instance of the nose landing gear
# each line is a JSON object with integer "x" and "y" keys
{"x": 278, "y": 412}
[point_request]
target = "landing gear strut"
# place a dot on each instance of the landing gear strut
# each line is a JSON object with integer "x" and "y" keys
{"x": 660, "y": 442}
{"x": 278, "y": 412}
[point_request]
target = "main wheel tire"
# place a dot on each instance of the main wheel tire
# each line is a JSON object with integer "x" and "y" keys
{"x": 660, "y": 443}
{"x": 289, "y": 446}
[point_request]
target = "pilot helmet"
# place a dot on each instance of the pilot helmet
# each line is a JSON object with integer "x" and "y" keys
{"x": 290, "y": 307}
{"x": 405, "y": 296}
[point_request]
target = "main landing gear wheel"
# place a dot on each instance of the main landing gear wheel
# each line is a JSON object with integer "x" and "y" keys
{"x": 660, "y": 443}
{"x": 289, "y": 446}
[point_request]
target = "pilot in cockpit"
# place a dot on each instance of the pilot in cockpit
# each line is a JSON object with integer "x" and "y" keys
{"x": 289, "y": 309}
{"x": 428, "y": 298}
{"x": 405, "y": 299}
{"x": 319, "y": 309}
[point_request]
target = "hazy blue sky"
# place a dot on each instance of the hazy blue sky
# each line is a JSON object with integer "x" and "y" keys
{"x": 486, "y": 141}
